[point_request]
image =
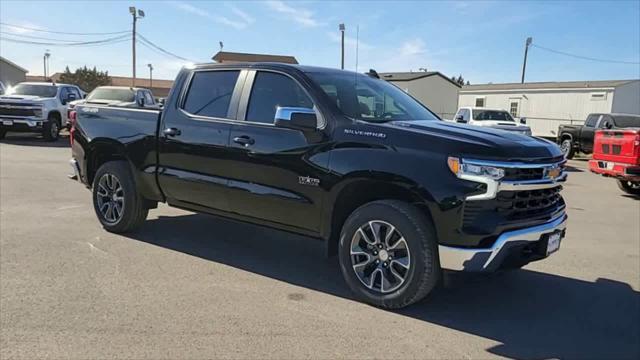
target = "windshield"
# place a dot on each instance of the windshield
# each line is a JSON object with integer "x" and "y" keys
{"x": 109, "y": 94}
{"x": 362, "y": 97}
{"x": 492, "y": 115}
{"x": 627, "y": 121}
{"x": 47, "y": 91}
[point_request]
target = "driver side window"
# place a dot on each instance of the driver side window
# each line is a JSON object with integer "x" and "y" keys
{"x": 270, "y": 91}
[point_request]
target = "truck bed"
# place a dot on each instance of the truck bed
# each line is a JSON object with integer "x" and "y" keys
{"x": 133, "y": 132}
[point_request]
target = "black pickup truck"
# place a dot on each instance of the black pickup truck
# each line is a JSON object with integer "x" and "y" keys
{"x": 579, "y": 138}
{"x": 347, "y": 158}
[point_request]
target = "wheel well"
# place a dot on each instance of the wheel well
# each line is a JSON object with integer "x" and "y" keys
{"x": 359, "y": 193}
{"x": 565, "y": 136}
{"x": 100, "y": 154}
{"x": 56, "y": 114}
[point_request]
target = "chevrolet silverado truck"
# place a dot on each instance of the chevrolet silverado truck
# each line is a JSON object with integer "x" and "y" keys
{"x": 347, "y": 158}
{"x": 579, "y": 138}
{"x": 493, "y": 118}
{"x": 36, "y": 107}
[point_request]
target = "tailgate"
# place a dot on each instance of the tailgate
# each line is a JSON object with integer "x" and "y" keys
{"x": 620, "y": 146}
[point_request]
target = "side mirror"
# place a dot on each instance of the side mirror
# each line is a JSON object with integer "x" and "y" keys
{"x": 460, "y": 119}
{"x": 523, "y": 120}
{"x": 140, "y": 101}
{"x": 297, "y": 118}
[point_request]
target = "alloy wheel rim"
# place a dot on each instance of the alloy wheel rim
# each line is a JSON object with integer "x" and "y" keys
{"x": 110, "y": 198}
{"x": 380, "y": 256}
{"x": 565, "y": 146}
{"x": 54, "y": 129}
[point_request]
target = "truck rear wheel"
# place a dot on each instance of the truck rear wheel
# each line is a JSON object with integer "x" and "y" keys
{"x": 116, "y": 200}
{"x": 567, "y": 148}
{"x": 388, "y": 254}
{"x": 630, "y": 187}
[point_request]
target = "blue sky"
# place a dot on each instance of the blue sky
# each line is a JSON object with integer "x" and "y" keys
{"x": 483, "y": 41}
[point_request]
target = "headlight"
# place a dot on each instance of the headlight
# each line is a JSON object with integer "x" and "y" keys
{"x": 466, "y": 170}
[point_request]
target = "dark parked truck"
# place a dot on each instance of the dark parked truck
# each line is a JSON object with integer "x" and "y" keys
{"x": 579, "y": 138}
{"x": 343, "y": 157}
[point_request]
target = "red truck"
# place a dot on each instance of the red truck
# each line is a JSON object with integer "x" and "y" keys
{"x": 616, "y": 153}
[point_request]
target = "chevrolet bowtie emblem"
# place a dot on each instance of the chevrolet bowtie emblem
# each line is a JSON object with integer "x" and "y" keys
{"x": 553, "y": 173}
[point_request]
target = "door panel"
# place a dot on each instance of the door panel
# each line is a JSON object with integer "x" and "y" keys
{"x": 193, "y": 154}
{"x": 588, "y": 132}
{"x": 265, "y": 176}
{"x": 273, "y": 175}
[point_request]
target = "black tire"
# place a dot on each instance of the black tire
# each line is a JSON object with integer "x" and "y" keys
{"x": 132, "y": 211}
{"x": 630, "y": 187}
{"x": 51, "y": 128}
{"x": 424, "y": 270}
{"x": 566, "y": 145}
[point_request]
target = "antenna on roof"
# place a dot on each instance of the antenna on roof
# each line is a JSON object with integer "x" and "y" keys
{"x": 357, "y": 43}
{"x": 221, "y": 45}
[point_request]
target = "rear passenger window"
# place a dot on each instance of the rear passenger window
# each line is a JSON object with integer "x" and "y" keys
{"x": 591, "y": 120}
{"x": 210, "y": 93}
{"x": 271, "y": 90}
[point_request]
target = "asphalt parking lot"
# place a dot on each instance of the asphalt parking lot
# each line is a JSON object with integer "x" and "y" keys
{"x": 193, "y": 286}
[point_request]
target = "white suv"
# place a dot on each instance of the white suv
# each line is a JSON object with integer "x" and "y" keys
{"x": 494, "y": 118}
{"x": 37, "y": 107}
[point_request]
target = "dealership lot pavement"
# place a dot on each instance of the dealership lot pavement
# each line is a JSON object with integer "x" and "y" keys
{"x": 193, "y": 286}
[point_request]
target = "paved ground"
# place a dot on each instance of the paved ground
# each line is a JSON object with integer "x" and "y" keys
{"x": 192, "y": 286}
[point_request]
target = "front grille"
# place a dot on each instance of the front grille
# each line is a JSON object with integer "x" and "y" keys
{"x": 16, "y": 112}
{"x": 511, "y": 208}
{"x": 529, "y": 203}
{"x": 523, "y": 174}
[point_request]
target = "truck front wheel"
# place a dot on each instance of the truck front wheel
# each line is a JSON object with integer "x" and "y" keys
{"x": 388, "y": 254}
{"x": 51, "y": 128}
{"x": 630, "y": 187}
{"x": 116, "y": 201}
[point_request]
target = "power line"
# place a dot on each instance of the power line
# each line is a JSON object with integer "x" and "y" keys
{"x": 115, "y": 39}
{"x": 61, "y": 32}
{"x": 585, "y": 57}
{"x": 40, "y": 37}
{"x": 144, "y": 39}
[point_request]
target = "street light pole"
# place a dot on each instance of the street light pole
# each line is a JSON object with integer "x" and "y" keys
{"x": 137, "y": 14}
{"x": 526, "y": 51}
{"x": 45, "y": 62}
{"x": 150, "y": 76}
{"x": 341, "y": 27}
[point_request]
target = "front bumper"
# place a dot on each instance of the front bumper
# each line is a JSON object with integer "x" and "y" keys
{"x": 512, "y": 248}
{"x": 22, "y": 125}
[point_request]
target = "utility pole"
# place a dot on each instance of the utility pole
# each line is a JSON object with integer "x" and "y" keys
{"x": 137, "y": 14}
{"x": 150, "y": 76}
{"x": 341, "y": 27}
{"x": 526, "y": 51}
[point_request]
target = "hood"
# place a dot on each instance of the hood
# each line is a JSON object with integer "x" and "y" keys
{"x": 479, "y": 142}
{"x": 22, "y": 97}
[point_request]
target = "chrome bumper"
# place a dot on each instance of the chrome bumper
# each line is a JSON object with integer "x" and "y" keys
{"x": 76, "y": 170}
{"x": 490, "y": 259}
{"x": 31, "y": 122}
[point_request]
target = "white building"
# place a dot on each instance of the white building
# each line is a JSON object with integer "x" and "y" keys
{"x": 546, "y": 105}
{"x": 434, "y": 90}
